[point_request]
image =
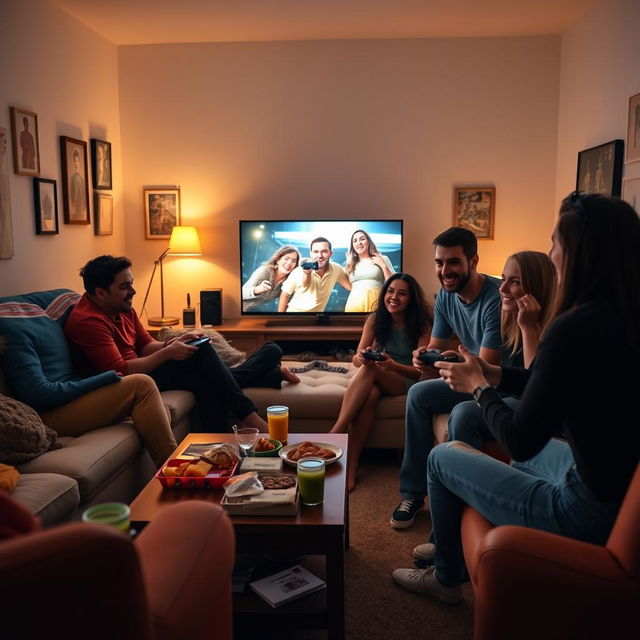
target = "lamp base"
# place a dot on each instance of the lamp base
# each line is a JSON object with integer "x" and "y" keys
{"x": 164, "y": 321}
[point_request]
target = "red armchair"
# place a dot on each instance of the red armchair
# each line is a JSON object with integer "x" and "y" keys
{"x": 531, "y": 584}
{"x": 89, "y": 581}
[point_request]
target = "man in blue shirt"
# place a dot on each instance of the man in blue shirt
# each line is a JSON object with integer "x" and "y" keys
{"x": 467, "y": 305}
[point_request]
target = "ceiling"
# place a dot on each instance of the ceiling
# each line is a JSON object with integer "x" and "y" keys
{"x": 163, "y": 21}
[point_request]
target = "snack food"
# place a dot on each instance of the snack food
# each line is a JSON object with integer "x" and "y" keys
{"x": 221, "y": 456}
{"x": 188, "y": 468}
{"x": 264, "y": 444}
{"x": 281, "y": 481}
{"x": 307, "y": 449}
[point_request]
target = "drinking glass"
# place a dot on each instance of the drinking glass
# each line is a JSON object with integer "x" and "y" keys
{"x": 278, "y": 421}
{"x": 246, "y": 438}
{"x": 115, "y": 514}
{"x": 311, "y": 481}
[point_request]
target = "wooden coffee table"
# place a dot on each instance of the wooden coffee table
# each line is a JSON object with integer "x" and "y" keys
{"x": 322, "y": 530}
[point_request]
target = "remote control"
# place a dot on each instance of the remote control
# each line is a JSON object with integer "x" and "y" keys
{"x": 434, "y": 355}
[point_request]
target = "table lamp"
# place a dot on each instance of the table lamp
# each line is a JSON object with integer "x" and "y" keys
{"x": 184, "y": 241}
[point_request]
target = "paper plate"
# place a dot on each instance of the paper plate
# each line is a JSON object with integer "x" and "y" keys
{"x": 284, "y": 452}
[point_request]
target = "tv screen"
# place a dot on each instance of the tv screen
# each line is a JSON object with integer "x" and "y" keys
{"x": 342, "y": 273}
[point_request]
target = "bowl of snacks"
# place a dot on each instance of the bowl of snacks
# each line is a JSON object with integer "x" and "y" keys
{"x": 266, "y": 447}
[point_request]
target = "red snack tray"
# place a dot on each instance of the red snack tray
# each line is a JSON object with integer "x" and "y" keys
{"x": 213, "y": 479}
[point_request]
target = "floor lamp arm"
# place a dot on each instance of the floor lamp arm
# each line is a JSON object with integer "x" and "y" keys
{"x": 153, "y": 273}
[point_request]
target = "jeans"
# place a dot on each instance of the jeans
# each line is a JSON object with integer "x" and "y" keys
{"x": 467, "y": 424}
{"x": 424, "y": 400}
{"x": 544, "y": 493}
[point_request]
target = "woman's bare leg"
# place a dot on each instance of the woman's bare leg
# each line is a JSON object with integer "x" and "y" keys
{"x": 354, "y": 397}
{"x": 358, "y": 433}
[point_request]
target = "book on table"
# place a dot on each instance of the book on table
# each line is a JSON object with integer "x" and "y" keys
{"x": 288, "y": 585}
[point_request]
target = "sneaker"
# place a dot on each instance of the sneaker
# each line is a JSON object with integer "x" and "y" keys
{"x": 425, "y": 581}
{"x": 405, "y": 513}
{"x": 424, "y": 551}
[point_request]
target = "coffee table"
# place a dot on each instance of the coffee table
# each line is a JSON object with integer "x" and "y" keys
{"x": 322, "y": 530}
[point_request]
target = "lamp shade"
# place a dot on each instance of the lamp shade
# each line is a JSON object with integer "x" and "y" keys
{"x": 184, "y": 242}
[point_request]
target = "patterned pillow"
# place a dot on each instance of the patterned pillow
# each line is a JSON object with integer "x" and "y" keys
{"x": 228, "y": 354}
{"x": 23, "y": 435}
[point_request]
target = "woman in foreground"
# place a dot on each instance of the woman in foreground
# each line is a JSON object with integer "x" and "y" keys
{"x": 367, "y": 269}
{"x": 401, "y": 322}
{"x": 571, "y": 488}
{"x": 265, "y": 283}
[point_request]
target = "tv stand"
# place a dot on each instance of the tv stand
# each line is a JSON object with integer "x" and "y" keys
{"x": 324, "y": 319}
{"x": 293, "y": 334}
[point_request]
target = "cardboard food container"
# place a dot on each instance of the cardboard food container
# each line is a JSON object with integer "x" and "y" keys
{"x": 256, "y": 506}
{"x": 213, "y": 480}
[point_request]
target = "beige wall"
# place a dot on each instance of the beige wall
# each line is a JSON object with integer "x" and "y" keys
{"x": 68, "y": 75}
{"x": 600, "y": 71}
{"x": 337, "y": 129}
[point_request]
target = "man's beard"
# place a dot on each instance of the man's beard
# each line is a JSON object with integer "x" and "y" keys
{"x": 461, "y": 282}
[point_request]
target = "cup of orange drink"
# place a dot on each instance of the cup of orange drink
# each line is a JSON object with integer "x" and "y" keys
{"x": 278, "y": 421}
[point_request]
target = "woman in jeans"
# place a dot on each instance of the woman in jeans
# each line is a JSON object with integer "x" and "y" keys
{"x": 571, "y": 488}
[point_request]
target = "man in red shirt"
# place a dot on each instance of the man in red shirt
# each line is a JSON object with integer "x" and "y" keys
{"x": 106, "y": 332}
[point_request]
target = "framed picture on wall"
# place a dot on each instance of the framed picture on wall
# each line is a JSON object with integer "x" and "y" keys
{"x": 103, "y": 214}
{"x": 474, "y": 209}
{"x": 631, "y": 192}
{"x": 633, "y": 129}
{"x": 101, "y": 164}
{"x": 6, "y": 224}
{"x": 24, "y": 130}
{"x": 45, "y": 204}
{"x": 161, "y": 212}
{"x": 75, "y": 176}
{"x": 600, "y": 169}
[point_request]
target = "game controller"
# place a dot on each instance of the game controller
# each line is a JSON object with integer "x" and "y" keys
{"x": 308, "y": 264}
{"x": 434, "y": 355}
{"x": 373, "y": 355}
{"x": 196, "y": 342}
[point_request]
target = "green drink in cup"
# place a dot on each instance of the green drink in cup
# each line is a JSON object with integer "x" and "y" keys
{"x": 311, "y": 481}
{"x": 115, "y": 514}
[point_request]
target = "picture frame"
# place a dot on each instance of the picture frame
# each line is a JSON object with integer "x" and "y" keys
{"x": 633, "y": 129}
{"x": 26, "y": 149}
{"x": 474, "y": 209}
{"x": 45, "y": 204}
{"x": 103, "y": 214}
{"x": 6, "y": 221}
{"x": 75, "y": 176}
{"x": 101, "y": 164}
{"x": 631, "y": 192}
{"x": 161, "y": 212}
{"x": 600, "y": 169}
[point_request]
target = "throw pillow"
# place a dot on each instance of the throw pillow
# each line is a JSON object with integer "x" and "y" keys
{"x": 228, "y": 354}
{"x": 23, "y": 435}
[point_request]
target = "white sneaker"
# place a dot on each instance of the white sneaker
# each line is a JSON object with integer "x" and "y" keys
{"x": 425, "y": 581}
{"x": 424, "y": 551}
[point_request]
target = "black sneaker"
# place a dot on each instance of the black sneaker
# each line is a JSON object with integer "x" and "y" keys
{"x": 405, "y": 513}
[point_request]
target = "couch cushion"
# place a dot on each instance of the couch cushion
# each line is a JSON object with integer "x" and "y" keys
{"x": 23, "y": 435}
{"x": 53, "y": 498}
{"x": 179, "y": 403}
{"x": 91, "y": 459}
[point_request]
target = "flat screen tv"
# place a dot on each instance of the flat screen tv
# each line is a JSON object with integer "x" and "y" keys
{"x": 283, "y": 275}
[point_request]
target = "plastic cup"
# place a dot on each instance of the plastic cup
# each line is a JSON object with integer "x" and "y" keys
{"x": 311, "y": 481}
{"x": 115, "y": 514}
{"x": 278, "y": 421}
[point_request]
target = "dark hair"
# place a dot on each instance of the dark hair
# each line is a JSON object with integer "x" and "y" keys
{"x": 458, "y": 237}
{"x": 102, "y": 271}
{"x": 319, "y": 239}
{"x": 600, "y": 238}
{"x": 418, "y": 316}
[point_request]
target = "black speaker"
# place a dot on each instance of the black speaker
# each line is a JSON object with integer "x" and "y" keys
{"x": 211, "y": 307}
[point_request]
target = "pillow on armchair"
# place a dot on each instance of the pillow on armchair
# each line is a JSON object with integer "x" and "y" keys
{"x": 228, "y": 354}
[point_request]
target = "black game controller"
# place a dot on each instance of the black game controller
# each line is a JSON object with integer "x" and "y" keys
{"x": 196, "y": 342}
{"x": 373, "y": 355}
{"x": 308, "y": 264}
{"x": 435, "y": 355}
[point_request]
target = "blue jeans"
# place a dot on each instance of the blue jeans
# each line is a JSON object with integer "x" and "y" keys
{"x": 424, "y": 400}
{"x": 543, "y": 493}
{"x": 466, "y": 423}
